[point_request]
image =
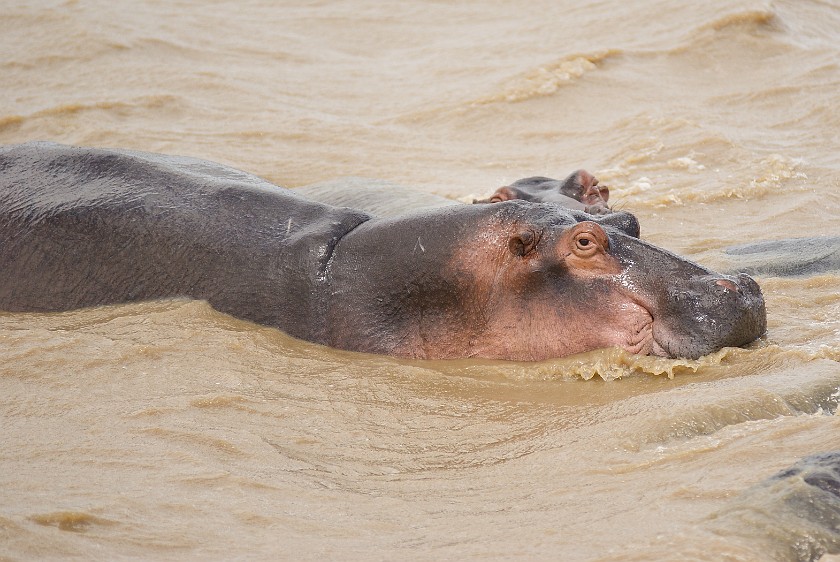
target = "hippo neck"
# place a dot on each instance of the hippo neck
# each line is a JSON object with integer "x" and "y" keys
{"x": 390, "y": 286}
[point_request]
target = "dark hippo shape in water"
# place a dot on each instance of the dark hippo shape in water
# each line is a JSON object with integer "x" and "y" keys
{"x": 788, "y": 257}
{"x": 85, "y": 227}
{"x": 795, "y": 512}
{"x": 821, "y": 471}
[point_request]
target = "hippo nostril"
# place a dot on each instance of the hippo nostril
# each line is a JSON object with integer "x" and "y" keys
{"x": 748, "y": 283}
{"x": 728, "y": 285}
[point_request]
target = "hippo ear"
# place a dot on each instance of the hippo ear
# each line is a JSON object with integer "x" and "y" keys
{"x": 604, "y": 192}
{"x": 623, "y": 221}
{"x": 583, "y": 186}
{"x": 502, "y": 194}
{"x": 592, "y": 192}
{"x": 523, "y": 243}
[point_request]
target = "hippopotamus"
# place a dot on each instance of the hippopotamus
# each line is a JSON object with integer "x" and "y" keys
{"x": 514, "y": 280}
{"x": 580, "y": 190}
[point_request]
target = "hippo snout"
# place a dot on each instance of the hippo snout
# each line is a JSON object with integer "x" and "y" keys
{"x": 747, "y": 295}
{"x": 714, "y": 311}
{"x": 753, "y": 312}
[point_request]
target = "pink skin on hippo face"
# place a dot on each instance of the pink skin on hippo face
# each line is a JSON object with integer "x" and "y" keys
{"x": 532, "y": 323}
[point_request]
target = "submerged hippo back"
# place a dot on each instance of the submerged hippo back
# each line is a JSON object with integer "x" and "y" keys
{"x": 84, "y": 227}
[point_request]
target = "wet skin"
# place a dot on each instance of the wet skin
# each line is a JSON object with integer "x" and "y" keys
{"x": 514, "y": 280}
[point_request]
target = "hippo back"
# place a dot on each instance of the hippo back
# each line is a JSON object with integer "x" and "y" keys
{"x": 84, "y": 227}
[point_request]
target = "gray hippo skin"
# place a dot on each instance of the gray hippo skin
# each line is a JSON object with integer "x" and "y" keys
{"x": 84, "y": 227}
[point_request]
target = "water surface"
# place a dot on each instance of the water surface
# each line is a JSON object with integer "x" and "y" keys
{"x": 167, "y": 430}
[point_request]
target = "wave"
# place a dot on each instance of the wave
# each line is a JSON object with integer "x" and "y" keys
{"x": 716, "y": 35}
{"x": 151, "y": 104}
{"x": 74, "y": 521}
{"x": 10, "y": 122}
{"x": 771, "y": 174}
{"x": 636, "y": 177}
{"x": 154, "y": 102}
{"x": 157, "y": 104}
{"x": 750, "y": 19}
{"x": 765, "y": 23}
{"x": 675, "y": 417}
{"x": 547, "y": 79}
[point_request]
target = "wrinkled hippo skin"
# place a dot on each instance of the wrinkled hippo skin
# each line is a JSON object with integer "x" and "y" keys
{"x": 795, "y": 512}
{"x": 515, "y": 280}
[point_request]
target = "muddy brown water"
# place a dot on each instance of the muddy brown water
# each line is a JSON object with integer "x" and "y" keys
{"x": 169, "y": 431}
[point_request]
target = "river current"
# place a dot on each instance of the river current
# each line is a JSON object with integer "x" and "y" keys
{"x": 167, "y": 430}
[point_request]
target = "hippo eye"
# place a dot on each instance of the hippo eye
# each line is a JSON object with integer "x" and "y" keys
{"x": 585, "y": 244}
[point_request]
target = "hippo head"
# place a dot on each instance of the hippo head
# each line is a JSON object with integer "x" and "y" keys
{"x": 580, "y": 190}
{"x": 526, "y": 281}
